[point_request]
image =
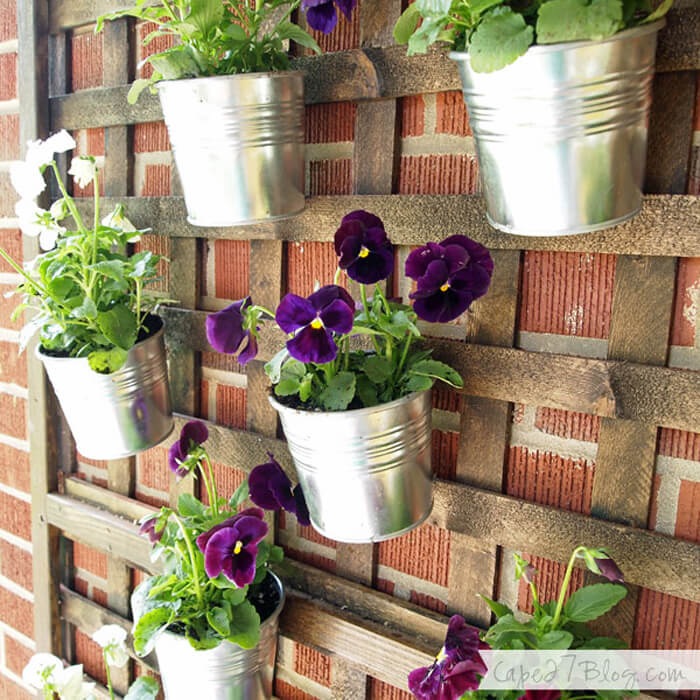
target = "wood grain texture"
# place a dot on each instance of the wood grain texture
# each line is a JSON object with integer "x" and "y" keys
{"x": 657, "y": 561}
{"x": 666, "y": 226}
{"x": 658, "y": 395}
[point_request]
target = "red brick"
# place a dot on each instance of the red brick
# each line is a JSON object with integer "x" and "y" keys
{"x": 379, "y": 690}
{"x": 412, "y": 116}
{"x": 232, "y": 269}
{"x": 428, "y": 602}
{"x": 446, "y": 399}
{"x": 445, "y": 447}
{"x": 17, "y": 656}
{"x": 9, "y": 136}
{"x": 8, "y": 76}
{"x": 688, "y": 518}
{"x": 204, "y": 399}
{"x": 99, "y": 596}
{"x": 311, "y": 558}
{"x": 11, "y": 242}
{"x": 14, "y": 468}
{"x": 81, "y": 586}
{"x": 86, "y": 54}
{"x": 89, "y": 654}
{"x": 228, "y": 480}
{"x": 90, "y": 560}
{"x": 15, "y": 516}
{"x": 346, "y": 34}
{"x": 228, "y": 363}
{"x": 8, "y": 197}
{"x": 312, "y": 664}
{"x": 161, "y": 246}
{"x": 285, "y": 691}
{"x": 385, "y": 586}
{"x": 330, "y": 177}
{"x": 16, "y": 564}
{"x": 309, "y": 533}
{"x": 568, "y": 424}
{"x": 231, "y": 406}
{"x": 9, "y": 690}
{"x": 17, "y": 612}
{"x": 330, "y": 122}
{"x": 95, "y": 142}
{"x": 452, "y": 117}
{"x": 151, "y": 137}
{"x": 679, "y": 443}
{"x": 686, "y": 302}
{"x": 567, "y": 293}
{"x": 13, "y": 416}
{"x": 158, "y": 44}
{"x": 13, "y": 366}
{"x": 8, "y": 19}
{"x": 439, "y": 174}
{"x": 157, "y": 181}
{"x": 308, "y": 263}
{"x": 666, "y": 622}
{"x": 152, "y": 469}
{"x": 423, "y": 553}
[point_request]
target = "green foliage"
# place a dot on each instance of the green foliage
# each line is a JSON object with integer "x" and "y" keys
{"x": 590, "y": 602}
{"x": 143, "y": 688}
{"x": 216, "y": 38}
{"x": 497, "y": 32}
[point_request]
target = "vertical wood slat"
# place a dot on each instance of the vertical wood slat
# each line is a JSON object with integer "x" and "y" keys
{"x": 117, "y": 175}
{"x": 33, "y": 72}
{"x": 484, "y": 434}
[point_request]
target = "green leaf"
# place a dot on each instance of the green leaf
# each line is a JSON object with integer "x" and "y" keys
{"x": 276, "y": 555}
{"x": 438, "y": 370}
{"x": 188, "y": 505}
{"x": 143, "y": 688}
{"x": 245, "y": 626}
{"x": 419, "y": 383}
{"x": 425, "y": 35}
{"x": 87, "y": 309}
{"x": 149, "y": 627}
{"x": 377, "y": 368}
{"x": 339, "y": 392}
{"x": 287, "y": 387}
{"x": 306, "y": 387}
{"x": 659, "y": 12}
{"x": 235, "y": 596}
{"x": 274, "y": 367}
{"x": 557, "y": 639}
{"x": 433, "y": 7}
{"x": 500, "y": 38}
{"x": 107, "y": 361}
{"x": 219, "y": 620}
{"x": 239, "y": 495}
{"x": 61, "y": 286}
{"x": 236, "y": 32}
{"x": 175, "y": 63}
{"x": 366, "y": 391}
{"x": 205, "y": 15}
{"x": 294, "y": 368}
{"x": 288, "y": 30}
{"x": 113, "y": 269}
{"x": 499, "y": 609}
{"x": 119, "y": 326}
{"x": 137, "y": 87}
{"x": 603, "y": 643}
{"x": 591, "y": 602}
{"x": 573, "y": 20}
{"x": 406, "y": 24}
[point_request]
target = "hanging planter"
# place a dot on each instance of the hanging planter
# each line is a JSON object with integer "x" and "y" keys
{"x": 119, "y": 414}
{"x": 233, "y": 108}
{"x": 366, "y": 473}
{"x": 558, "y": 94}
{"x": 357, "y": 416}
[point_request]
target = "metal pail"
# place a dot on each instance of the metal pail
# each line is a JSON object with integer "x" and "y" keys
{"x": 120, "y": 414}
{"x": 561, "y": 133}
{"x": 366, "y": 474}
{"x": 226, "y": 672}
{"x": 238, "y": 142}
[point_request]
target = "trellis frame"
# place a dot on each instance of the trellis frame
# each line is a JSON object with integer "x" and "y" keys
{"x": 368, "y": 632}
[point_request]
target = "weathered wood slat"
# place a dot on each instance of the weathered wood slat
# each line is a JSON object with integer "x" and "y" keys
{"x": 666, "y": 226}
{"x": 655, "y": 395}
{"x": 647, "y": 558}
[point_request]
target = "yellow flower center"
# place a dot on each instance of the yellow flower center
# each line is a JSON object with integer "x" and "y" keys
{"x": 316, "y": 323}
{"x": 239, "y": 546}
{"x": 363, "y": 252}
{"x": 445, "y": 287}
{"x": 139, "y": 413}
{"x": 441, "y": 655}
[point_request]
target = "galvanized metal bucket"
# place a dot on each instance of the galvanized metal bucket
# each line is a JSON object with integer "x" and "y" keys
{"x": 238, "y": 142}
{"x": 226, "y": 672}
{"x": 561, "y": 133}
{"x": 366, "y": 474}
{"x": 120, "y": 414}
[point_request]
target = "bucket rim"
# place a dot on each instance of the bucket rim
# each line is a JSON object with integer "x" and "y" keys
{"x": 536, "y": 49}
{"x": 355, "y": 412}
{"x": 154, "y": 337}
{"x": 269, "y": 75}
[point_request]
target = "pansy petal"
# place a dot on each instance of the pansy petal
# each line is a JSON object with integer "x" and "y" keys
{"x": 461, "y": 640}
{"x": 322, "y": 18}
{"x": 436, "y": 275}
{"x": 474, "y": 279}
{"x": 367, "y": 219}
{"x": 243, "y": 565}
{"x": 250, "y": 351}
{"x": 338, "y": 317}
{"x": 313, "y": 345}
{"x": 348, "y": 251}
{"x": 294, "y": 312}
{"x": 250, "y": 530}
{"x": 346, "y": 7}
{"x": 218, "y": 550}
{"x": 321, "y": 298}
{"x": 175, "y": 457}
{"x": 610, "y": 570}
{"x": 377, "y": 266}
{"x": 225, "y": 328}
{"x": 417, "y": 262}
{"x": 348, "y": 230}
{"x": 270, "y": 488}
{"x": 204, "y": 538}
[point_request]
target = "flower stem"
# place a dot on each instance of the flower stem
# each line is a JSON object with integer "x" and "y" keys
{"x": 190, "y": 551}
{"x": 215, "y": 494}
{"x": 206, "y": 485}
{"x": 68, "y": 199}
{"x": 109, "y": 676}
{"x": 564, "y": 588}
{"x": 365, "y": 304}
{"x": 404, "y": 355}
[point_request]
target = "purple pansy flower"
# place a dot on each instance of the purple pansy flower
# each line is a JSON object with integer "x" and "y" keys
{"x": 271, "y": 489}
{"x": 365, "y": 250}
{"x": 193, "y": 434}
{"x": 610, "y": 570}
{"x": 225, "y": 331}
{"x": 148, "y": 528}
{"x": 330, "y": 309}
{"x": 233, "y": 548}
{"x": 204, "y": 538}
{"x": 456, "y": 669}
{"x": 449, "y": 276}
{"x": 321, "y": 14}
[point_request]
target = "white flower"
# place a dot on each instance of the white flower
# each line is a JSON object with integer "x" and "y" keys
{"x": 49, "y": 234}
{"x": 40, "y": 153}
{"x": 70, "y": 684}
{"x": 117, "y": 220}
{"x": 29, "y": 215}
{"x": 112, "y": 638}
{"x": 60, "y": 142}
{"x": 42, "y": 670}
{"x": 26, "y": 179}
{"x": 83, "y": 170}
{"x": 59, "y": 209}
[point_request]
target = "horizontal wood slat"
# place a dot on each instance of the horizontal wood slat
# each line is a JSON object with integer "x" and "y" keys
{"x": 401, "y": 75}
{"x": 666, "y": 226}
{"x": 647, "y": 558}
{"x": 656, "y": 395}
